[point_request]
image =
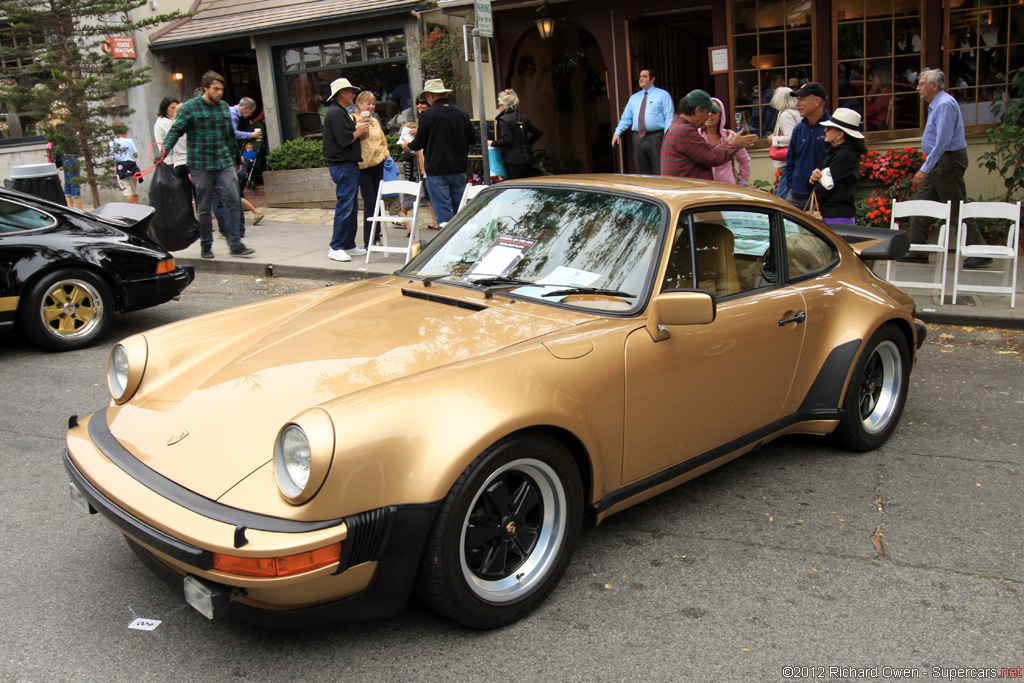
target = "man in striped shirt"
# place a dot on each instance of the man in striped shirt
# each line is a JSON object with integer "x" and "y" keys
{"x": 684, "y": 152}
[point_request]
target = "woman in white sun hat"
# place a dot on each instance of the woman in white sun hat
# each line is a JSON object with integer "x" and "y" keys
{"x": 835, "y": 182}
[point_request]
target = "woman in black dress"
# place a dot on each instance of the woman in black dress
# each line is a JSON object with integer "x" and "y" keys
{"x": 516, "y": 136}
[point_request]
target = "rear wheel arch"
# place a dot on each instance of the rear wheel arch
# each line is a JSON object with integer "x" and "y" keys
{"x": 111, "y": 282}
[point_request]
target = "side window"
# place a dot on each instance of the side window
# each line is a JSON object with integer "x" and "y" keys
{"x": 806, "y": 251}
{"x": 731, "y": 248}
{"x": 16, "y": 217}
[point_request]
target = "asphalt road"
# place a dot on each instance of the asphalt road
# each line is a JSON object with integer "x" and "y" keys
{"x": 798, "y": 555}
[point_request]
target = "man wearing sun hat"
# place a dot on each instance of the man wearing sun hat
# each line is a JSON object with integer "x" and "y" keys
{"x": 807, "y": 144}
{"x": 684, "y": 152}
{"x": 445, "y": 133}
{"x": 342, "y": 154}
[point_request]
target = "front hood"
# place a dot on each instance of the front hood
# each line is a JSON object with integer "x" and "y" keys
{"x": 231, "y": 381}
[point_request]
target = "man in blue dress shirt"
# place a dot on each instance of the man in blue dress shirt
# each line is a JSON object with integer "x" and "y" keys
{"x": 941, "y": 178}
{"x": 648, "y": 114}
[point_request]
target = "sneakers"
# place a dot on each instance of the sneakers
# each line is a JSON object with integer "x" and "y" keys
{"x": 242, "y": 250}
{"x": 338, "y": 255}
{"x": 355, "y": 252}
{"x": 207, "y": 252}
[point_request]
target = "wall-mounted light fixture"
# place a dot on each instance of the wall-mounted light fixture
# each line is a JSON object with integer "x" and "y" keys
{"x": 545, "y": 25}
{"x": 178, "y": 76}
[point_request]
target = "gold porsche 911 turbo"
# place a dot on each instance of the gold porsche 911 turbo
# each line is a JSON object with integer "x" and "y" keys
{"x": 566, "y": 348}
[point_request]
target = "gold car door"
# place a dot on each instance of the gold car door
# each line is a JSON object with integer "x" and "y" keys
{"x": 708, "y": 385}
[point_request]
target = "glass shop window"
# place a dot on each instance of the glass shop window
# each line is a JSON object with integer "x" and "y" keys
{"x": 878, "y": 44}
{"x": 985, "y": 43}
{"x": 772, "y": 46}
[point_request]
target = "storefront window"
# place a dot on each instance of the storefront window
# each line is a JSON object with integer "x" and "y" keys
{"x": 878, "y": 45}
{"x": 771, "y": 46}
{"x": 375, "y": 63}
{"x": 18, "y": 65}
{"x": 986, "y": 42}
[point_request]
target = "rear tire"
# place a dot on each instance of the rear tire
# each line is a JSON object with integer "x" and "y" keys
{"x": 877, "y": 392}
{"x": 66, "y": 310}
{"x": 505, "y": 533}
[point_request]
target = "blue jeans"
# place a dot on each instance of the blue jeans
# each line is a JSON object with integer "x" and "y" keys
{"x": 783, "y": 190}
{"x": 346, "y": 179}
{"x": 445, "y": 194}
{"x": 225, "y": 184}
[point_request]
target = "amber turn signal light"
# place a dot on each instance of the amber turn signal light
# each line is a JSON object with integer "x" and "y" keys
{"x": 165, "y": 267}
{"x": 288, "y": 565}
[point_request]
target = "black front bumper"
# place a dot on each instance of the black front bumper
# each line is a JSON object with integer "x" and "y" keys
{"x": 393, "y": 537}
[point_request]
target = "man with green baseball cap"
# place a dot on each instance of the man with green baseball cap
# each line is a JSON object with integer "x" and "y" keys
{"x": 684, "y": 152}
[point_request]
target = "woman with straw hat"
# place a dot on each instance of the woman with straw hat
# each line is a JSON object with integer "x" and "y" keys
{"x": 835, "y": 182}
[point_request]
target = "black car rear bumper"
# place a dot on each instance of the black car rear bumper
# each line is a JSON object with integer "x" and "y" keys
{"x": 140, "y": 294}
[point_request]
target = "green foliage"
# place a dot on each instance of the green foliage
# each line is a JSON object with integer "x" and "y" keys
{"x": 294, "y": 154}
{"x": 1007, "y": 138}
{"x": 394, "y": 148}
{"x": 74, "y": 87}
{"x": 440, "y": 55}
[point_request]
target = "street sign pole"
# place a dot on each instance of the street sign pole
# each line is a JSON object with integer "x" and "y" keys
{"x": 485, "y": 162}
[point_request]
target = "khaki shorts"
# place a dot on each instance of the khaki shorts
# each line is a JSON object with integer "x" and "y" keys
{"x": 129, "y": 186}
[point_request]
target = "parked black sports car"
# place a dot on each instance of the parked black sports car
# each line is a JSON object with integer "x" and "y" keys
{"x": 64, "y": 272}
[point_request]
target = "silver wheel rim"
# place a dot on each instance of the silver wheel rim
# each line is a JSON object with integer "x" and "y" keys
{"x": 880, "y": 389}
{"x": 548, "y": 516}
{"x": 71, "y": 309}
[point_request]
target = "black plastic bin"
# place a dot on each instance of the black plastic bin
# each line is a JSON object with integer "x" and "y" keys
{"x": 38, "y": 180}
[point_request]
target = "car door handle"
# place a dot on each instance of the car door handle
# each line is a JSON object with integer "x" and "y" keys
{"x": 798, "y": 318}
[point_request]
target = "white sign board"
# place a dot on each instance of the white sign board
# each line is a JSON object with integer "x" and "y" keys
{"x": 484, "y": 21}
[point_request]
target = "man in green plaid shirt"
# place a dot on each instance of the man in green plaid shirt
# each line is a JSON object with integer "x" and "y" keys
{"x": 213, "y": 161}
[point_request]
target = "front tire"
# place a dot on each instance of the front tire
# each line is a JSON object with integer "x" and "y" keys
{"x": 877, "y": 392}
{"x": 66, "y": 310}
{"x": 505, "y": 533}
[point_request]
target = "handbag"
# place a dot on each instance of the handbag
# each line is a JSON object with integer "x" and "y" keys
{"x": 777, "y": 153}
{"x": 811, "y": 208}
{"x": 496, "y": 163}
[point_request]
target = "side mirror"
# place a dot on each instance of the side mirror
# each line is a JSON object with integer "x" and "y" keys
{"x": 668, "y": 309}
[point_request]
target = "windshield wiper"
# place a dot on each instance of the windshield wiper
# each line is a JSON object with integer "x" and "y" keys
{"x": 590, "y": 290}
{"x": 427, "y": 279}
{"x": 501, "y": 280}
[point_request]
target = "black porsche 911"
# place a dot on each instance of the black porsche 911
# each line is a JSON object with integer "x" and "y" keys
{"x": 64, "y": 272}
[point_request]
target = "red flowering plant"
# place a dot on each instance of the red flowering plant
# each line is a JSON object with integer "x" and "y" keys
{"x": 894, "y": 169}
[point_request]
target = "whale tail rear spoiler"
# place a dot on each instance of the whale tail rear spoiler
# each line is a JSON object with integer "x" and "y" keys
{"x": 874, "y": 244}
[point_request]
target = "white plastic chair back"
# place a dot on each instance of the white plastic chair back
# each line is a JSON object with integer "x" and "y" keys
{"x": 901, "y": 214}
{"x": 1007, "y": 252}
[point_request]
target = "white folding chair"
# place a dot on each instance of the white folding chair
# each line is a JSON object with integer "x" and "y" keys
{"x": 928, "y": 209}
{"x": 380, "y": 217}
{"x": 470, "y": 192}
{"x": 1007, "y": 252}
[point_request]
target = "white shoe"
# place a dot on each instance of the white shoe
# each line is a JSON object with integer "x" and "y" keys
{"x": 355, "y": 252}
{"x": 338, "y": 255}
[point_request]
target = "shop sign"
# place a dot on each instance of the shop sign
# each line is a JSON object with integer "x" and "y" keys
{"x": 121, "y": 47}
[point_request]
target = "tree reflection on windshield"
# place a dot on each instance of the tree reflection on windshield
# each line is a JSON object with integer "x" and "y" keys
{"x": 548, "y": 236}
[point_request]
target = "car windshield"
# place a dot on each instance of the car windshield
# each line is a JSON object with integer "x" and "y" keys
{"x": 582, "y": 248}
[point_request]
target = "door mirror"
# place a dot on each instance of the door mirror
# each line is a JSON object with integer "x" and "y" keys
{"x": 691, "y": 307}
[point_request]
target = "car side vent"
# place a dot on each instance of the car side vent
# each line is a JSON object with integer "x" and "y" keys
{"x": 367, "y": 532}
{"x": 442, "y": 300}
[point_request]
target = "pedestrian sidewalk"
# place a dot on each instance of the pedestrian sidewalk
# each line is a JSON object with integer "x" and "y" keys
{"x": 294, "y": 243}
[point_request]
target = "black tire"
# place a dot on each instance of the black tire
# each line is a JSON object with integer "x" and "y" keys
{"x": 877, "y": 392}
{"x": 488, "y": 562}
{"x": 66, "y": 309}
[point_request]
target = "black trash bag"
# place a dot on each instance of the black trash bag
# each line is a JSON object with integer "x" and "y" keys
{"x": 174, "y": 225}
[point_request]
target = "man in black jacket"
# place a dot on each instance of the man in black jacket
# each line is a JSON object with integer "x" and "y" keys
{"x": 342, "y": 154}
{"x": 445, "y": 133}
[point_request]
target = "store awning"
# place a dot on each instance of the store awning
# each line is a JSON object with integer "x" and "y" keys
{"x": 220, "y": 19}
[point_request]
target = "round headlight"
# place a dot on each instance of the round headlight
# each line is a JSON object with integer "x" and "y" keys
{"x": 125, "y": 367}
{"x": 292, "y": 461}
{"x": 117, "y": 372}
{"x": 302, "y": 455}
